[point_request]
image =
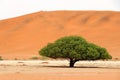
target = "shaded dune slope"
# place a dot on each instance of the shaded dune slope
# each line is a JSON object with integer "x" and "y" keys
{"x": 22, "y": 37}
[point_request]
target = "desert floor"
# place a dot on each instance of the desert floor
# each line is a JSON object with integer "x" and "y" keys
{"x": 59, "y": 70}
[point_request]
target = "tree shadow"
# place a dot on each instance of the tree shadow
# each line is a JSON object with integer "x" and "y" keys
{"x": 79, "y": 67}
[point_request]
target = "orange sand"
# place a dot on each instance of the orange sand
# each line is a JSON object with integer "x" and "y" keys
{"x": 22, "y": 37}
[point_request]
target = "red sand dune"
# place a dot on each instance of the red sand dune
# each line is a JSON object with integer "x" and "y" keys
{"x": 22, "y": 37}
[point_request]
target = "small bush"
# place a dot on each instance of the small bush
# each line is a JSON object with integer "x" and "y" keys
{"x": 15, "y": 59}
{"x": 44, "y": 58}
{"x": 1, "y": 58}
{"x": 34, "y": 58}
{"x": 116, "y": 58}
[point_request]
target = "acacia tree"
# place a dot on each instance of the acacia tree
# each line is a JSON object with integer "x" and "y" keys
{"x": 74, "y": 48}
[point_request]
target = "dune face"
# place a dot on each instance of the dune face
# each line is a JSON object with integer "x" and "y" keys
{"x": 22, "y": 37}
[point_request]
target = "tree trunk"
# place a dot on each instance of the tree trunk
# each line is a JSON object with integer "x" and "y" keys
{"x": 72, "y": 63}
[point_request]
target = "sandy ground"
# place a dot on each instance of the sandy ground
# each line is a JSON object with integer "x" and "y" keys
{"x": 22, "y": 37}
{"x": 59, "y": 70}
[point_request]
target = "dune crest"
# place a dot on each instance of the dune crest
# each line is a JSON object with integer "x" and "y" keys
{"x": 22, "y": 37}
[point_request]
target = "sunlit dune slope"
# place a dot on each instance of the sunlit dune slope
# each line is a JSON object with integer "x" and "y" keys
{"x": 22, "y": 37}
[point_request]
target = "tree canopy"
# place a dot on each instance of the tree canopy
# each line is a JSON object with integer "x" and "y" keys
{"x": 74, "y": 48}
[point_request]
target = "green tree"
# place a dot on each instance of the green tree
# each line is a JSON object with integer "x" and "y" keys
{"x": 74, "y": 48}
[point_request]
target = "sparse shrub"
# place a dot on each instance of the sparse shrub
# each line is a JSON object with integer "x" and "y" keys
{"x": 74, "y": 48}
{"x": 1, "y": 58}
{"x": 116, "y": 58}
{"x": 15, "y": 59}
{"x": 44, "y": 58}
{"x": 34, "y": 58}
